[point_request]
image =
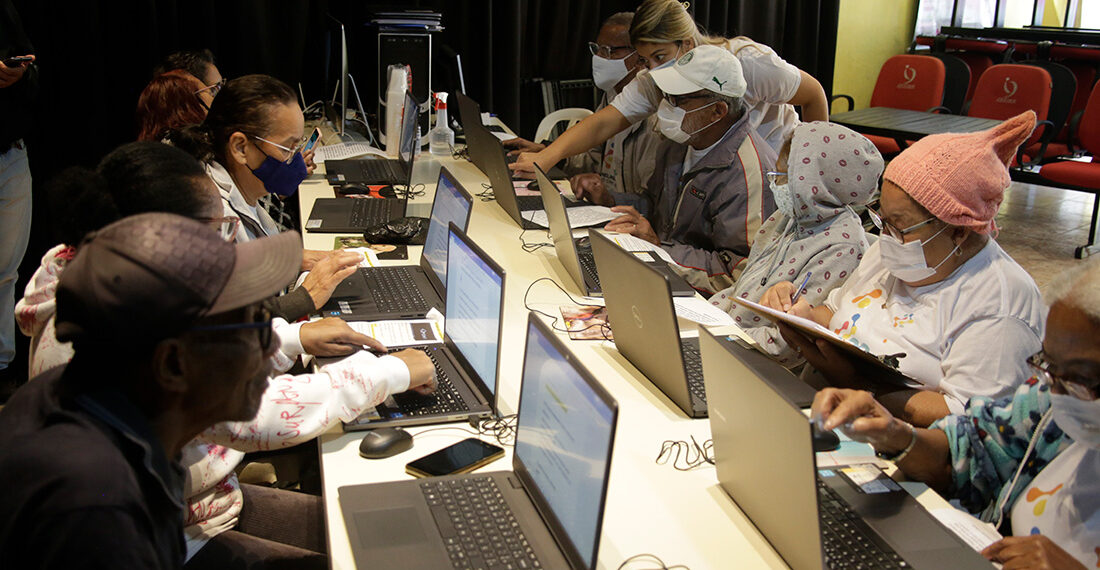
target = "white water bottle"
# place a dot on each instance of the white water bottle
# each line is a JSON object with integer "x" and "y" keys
{"x": 441, "y": 139}
{"x": 395, "y": 101}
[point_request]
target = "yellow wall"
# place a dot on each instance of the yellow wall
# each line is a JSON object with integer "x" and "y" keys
{"x": 868, "y": 33}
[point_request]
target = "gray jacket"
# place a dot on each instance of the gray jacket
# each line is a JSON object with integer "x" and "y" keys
{"x": 625, "y": 161}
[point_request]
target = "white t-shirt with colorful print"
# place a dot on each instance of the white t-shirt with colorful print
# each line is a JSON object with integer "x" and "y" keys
{"x": 1061, "y": 504}
{"x": 967, "y": 335}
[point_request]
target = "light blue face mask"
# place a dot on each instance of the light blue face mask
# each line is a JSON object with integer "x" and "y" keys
{"x": 670, "y": 61}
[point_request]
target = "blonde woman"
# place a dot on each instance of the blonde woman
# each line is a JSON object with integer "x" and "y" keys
{"x": 661, "y": 32}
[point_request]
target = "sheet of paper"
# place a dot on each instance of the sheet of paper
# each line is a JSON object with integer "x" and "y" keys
{"x": 804, "y": 323}
{"x": 579, "y": 217}
{"x": 700, "y": 310}
{"x": 631, "y": 243}
{"x": 975, "y": 533}
{"x": 341, "y": 151}
{"x": 504, "y": 136}
{"x": 401, "y": 333}
{"x": 370, "y": 257}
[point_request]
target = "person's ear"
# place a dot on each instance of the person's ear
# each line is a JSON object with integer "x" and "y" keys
{"x": 238, "y": 147}
{"x": 689, "y": 44}
{"x": 721, "y": 109}
{"x": 959, "y": 235}
{"x": 170, "y": 366}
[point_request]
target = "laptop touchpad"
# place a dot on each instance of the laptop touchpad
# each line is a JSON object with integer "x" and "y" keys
{"x": 389, "y": 528}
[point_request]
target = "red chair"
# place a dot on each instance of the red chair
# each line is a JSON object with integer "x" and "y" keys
{"x": 1078, "y": 174}
{"x": 1008, "y": 89}
{"x": 913, "y": 82}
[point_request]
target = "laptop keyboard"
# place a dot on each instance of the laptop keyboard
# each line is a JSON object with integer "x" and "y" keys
{"x": 444, "y": 400}
{"x": 588, "y": 266}
{"x": 476, "y": 524}
{"x": 846, "y": 539}
{"x": 528, "y": 203}
{"x": 375, "y": 171}
{"x": 394, "y": 289}
{"x": 367, "y": 212}
{"x": 693, "y": 365}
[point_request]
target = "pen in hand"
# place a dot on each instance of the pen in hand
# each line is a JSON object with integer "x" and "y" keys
{"x": 801, "y": 288}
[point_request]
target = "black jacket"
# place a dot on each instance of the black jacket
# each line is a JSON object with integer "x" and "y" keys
{"x": 17, "y": 100}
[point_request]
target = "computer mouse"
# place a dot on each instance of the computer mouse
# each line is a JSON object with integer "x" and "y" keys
{"x": 533, "y": 185}
{"x": 384, "y": 442}
{"x": 824, "y": 440}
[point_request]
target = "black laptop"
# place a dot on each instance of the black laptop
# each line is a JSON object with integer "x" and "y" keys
{"x": 576, "y": 254}
{"x": 643, "y": 322}
{"x": 815, "y": 518}
{"x": 547, "y": 512}
{"x": 407, "y": 291}
{"x": 467, "y": 364}
{"x": 394, "y": 172}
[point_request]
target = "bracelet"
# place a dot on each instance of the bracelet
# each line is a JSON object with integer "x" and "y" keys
{"x": 897, "y": 457}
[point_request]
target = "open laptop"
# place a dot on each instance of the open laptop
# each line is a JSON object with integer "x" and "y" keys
{"x": 576, "y": 254}
{"x": 545, "y": 513}
{"x": 749, "y": 421}
{"x": 467, "y": 364}
{"x": 381, "y": 171}
{"x": 643, "y": 321}
{"x": 406, "y": 291}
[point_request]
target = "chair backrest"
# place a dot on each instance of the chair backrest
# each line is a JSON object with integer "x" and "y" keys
{"x": 1008, "y": 89}
{"x": 913, "y": 82}
{"x": 956, "y": 81}
{"x": 571, "y": 116}
{"x": 1085, "y": 72}
{"x": 978, "y": 63}
{"x": 1088, "y": 133}
{"x": 1063, "y": 90}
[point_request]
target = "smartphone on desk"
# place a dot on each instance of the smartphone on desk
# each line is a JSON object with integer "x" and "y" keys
{"x": 462, "y": 457}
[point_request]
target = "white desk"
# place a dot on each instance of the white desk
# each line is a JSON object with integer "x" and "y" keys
{"x": 682, "y": 517}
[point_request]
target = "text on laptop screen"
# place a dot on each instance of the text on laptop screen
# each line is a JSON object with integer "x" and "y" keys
{"x": 449, "y": 207}
{"x": 407, "y": 143}
{"x": 474, "y": 291}
{"x": 563, "y": 436}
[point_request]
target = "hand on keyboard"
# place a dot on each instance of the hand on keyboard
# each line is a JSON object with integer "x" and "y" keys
{"x": 328, "y": 273}
{"x": 333, "y": 337}
{"x": 421, "y": 370}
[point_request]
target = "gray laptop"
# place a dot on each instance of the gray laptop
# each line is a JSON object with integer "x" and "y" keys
{"x": 815, "y": 519}
{"x": 407, "y": 291}
{"x": 381, "y": 171}
{"x": 545, "y": 513}
{"x": 643, "y": 321}
{"x": 467, "y": 364}
{"x": 739, "y": 355}
{"x": 576, "y": 255}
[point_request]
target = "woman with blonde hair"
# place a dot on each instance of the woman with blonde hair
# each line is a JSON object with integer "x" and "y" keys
{"x": 662, "y": 31}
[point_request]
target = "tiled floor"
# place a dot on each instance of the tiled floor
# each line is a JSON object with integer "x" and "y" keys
{"x": 1041, "y": 227}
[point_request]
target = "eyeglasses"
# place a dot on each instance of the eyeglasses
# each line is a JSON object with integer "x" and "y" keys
{"x": 679, "y": 100}
{"x": 289, "y": 153}
{"x": 1074, "y": 387}
{"x": 774, "y": 176}
{"x": 226, "y": 226}
{"x": 261, "y": 320}
{"x": 876, "y": 218}
{"x": 212, "y": 89}
{"x": 607, "y": 52}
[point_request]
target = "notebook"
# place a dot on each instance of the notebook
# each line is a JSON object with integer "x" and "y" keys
{"x": 546, "y": 512}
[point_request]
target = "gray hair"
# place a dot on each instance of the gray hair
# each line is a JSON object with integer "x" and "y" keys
{"x": 1079, "y": 287}
{"x": 736, "y": 105}
{"x": 622, "y": 19}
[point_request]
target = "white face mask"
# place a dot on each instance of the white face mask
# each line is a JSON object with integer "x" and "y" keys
{"x": 906, "y": 260}
{"x": 607, "y": 73}
{"x": 784, "y": 198}
{"x": 671, "y": 120}
{"x": 1080, "y": 419}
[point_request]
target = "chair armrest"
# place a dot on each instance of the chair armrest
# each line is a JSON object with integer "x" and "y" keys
{"x": 1044, "y": 140}
{"x": 939, "y": 108}
{"x": 848, "y": 98}
{"x": 1074, "y": 127}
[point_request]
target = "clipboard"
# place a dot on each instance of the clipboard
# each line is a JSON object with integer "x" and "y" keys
{"x": 885, "y": 367}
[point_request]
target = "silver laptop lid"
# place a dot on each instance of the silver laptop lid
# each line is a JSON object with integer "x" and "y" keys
{"x": 763, "y": 451}
{"x": 642, "y": 317}
{"x": 560, "y": 232}
{"x": 564, "y": 438}
{"x": 452, "y": 205}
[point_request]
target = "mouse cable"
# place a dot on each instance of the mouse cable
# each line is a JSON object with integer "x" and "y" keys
{"x": 460, "y": 153}
{"x": 604, "y": 327}
{"x": 686, "y": 456}
{"x": 486, "y": 193}
{"x": 503, "y": 429}
{"x": 534, "y": 246}
{"x": 652, "y": 559}
{"x": 410, "y": 192}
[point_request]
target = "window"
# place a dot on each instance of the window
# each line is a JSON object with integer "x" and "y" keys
{"x": 933, "y": 15}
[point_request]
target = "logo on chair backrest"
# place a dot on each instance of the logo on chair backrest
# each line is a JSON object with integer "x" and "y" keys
{"x": 910, "y": 75}
{"x": 1010, "y": 88}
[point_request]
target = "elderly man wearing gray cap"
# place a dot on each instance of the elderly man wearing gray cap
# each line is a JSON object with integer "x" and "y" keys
{"x": 708, "y": 194}
{"x": 170, "y": 338}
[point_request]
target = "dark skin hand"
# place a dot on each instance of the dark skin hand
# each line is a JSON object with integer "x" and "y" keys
{"x": 1035, "y": 552}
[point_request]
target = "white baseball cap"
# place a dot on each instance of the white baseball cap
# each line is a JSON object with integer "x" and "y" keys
{"x": 706, "y": 67}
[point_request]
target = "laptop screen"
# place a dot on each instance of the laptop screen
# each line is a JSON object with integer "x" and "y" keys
{"x": 407, "y": 145}
{"x": 474, "y": 290}
{"x": 449, "y": 207}
{"x": 563, "y": 439}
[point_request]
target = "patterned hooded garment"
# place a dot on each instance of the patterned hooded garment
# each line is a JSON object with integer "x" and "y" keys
{"x": 830, "y": 168}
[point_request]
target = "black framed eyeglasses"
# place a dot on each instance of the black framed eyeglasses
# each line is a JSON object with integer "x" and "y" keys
{"x": 261, "y": 320}
{"x": 212, "y": 89}
{"x": 678, "y": 100}
{"x": 1072, "y": 386}
{"x": 610, "y": 52}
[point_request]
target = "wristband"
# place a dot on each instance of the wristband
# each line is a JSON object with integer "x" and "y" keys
{"x": 897, "y": 457}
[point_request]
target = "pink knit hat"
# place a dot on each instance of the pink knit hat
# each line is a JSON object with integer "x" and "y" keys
{"x": 961, "y": 178}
